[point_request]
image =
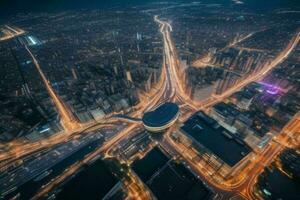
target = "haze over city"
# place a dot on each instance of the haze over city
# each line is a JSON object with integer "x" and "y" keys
{"x": 149, "y": 99}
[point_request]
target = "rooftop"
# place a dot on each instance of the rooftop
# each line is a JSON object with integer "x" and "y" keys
{"x": 226, "y": 109}
{"x": 215, "y": 138}
{"x": 148, "y": 165}
{"x": 161, "y": 116}
{"x": 87, "y": 183}
{"x": 168, "y": 179}
{"x": 175, "y": 181}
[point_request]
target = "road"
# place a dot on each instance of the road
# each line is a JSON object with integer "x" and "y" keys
{"x": 177, "y": 88}
{"x": 9, "y": 33}
{"x": 68, "y": 120}
{"x": 204, "y": 61}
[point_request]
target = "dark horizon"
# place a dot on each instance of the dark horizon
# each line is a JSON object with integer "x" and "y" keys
{"x": 12, "y": 7}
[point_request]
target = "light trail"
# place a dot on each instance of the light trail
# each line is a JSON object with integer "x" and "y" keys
{"x": 204, "y": 61}
{"x": 10, "y": 33}
{"x": 265, "y": 69}
{"x": 68, "y": 120}
{"x": 174, "y": 73}
{"x": 136, "y": 188}
{"x": 20, "y": 149}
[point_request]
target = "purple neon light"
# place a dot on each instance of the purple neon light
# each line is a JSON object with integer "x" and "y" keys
{"x": 271, "y": 89}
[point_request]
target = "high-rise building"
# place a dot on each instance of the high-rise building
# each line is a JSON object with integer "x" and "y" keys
{"x": 121, "y": 57}
{"x": 128, "y": 76}
{"x": 74, "y": 74}
{"x": 227, "y": 82}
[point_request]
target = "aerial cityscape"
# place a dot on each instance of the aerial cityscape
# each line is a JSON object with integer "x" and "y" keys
{"x": 150, "y": 100}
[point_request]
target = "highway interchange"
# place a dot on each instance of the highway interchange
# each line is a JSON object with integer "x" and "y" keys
{"x": 170, "y": 87}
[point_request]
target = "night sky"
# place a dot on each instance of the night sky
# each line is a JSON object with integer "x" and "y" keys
{"x": 11, "y": 7}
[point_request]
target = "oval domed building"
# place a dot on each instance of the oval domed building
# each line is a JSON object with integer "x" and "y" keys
{"x": 161, "y": 118}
